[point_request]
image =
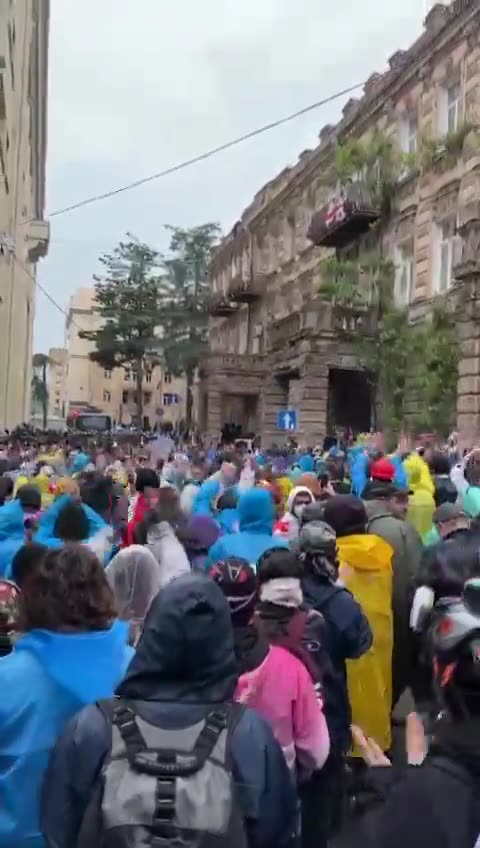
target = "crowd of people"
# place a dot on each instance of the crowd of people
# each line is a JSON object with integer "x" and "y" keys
{"x": 213, "y": 648}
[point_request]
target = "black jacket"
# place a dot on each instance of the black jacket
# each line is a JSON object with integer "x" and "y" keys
{"x": 347, "y": 636}
{"x": 184, "y": 666}
{"x": 436, "y": 804}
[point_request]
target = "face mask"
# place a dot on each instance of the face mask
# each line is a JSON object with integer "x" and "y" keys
{"x": 298, "y": 510}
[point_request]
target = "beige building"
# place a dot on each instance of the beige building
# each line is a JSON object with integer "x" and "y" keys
{"x": 88, "y": 386}
{"x": 24, "y": 234}
{"x": 275, "y": 343}
{"x": 57, "y": 382}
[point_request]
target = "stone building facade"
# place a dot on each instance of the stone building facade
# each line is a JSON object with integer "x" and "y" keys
{"x": 24, "y": 232}
{"x": 275, "y": 343}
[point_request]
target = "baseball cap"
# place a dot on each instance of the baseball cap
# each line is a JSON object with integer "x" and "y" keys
{"x": 448, "y": 512}
{"x": 382, "y": 469}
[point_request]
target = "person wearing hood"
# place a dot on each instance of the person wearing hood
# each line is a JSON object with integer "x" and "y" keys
{"x": 421, "y": 503}
{"x": 256, "y": 513}
{"x": 288, "y": 527}
{"x": 366, "y": 571}
{"x": 147, "y": 485}
{"x": 184, "y": 667}
{"x": 134, "y": 577}
{"x": 13, "y": 517}
{"x": 273, "y": 681}
{"x": 67, "y": 521}
{"x": 168, "y": 551}
{"x": 73, "y": 652}
{"x": 445, "y": 491}
{"x": 345, "y": 635}
{"x": 417, "y": 461}
{"x": 197, "y": 538}
{"x": 227, "y": 512}
{"x": 387, "y": 511}
{"x": 435, "y": 800}
{"x": 191, "y": 489}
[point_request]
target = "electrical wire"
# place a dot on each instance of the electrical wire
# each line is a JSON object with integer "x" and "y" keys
{"x": 201, "y": 157}
{"x": 45, "y": 292}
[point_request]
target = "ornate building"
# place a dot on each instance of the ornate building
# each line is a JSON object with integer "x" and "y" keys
{"x": 276, "y": 342}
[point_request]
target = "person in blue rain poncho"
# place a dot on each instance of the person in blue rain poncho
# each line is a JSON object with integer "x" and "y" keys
{"x": 67, "y": 520}
{"x": 256, "y": 513}
{"x": 73, "y": 653}
{"x": 13, "y": 517}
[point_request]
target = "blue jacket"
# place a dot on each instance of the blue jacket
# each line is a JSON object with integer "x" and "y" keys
{"x": 45, "y": 534}
{"x": 359, "y": 468}
{"x": 12, "y": 535}
{"x": 347, "y": 636}
{"x": 184, "y": 666}
{"x": 256, "y": 513}
{"x": 209, "y": 490}
{"x": 44, "y": 682}
{"x": 228, "y": 520}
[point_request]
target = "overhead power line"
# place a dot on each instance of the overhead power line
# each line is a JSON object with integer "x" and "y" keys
{"x": 44, "y": 291}
{"x": 201, "y": 157}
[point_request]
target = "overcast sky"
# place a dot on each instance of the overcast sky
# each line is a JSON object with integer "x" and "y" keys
{"x": 138, "y": 85}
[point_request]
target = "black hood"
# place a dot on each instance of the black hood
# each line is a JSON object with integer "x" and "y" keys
{"x": 377, "y": 490}
{"x": 186, "y": 652}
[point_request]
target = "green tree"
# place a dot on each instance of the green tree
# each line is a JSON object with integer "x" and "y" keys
{"x": 40, "y": 364}
{"x": 185, "y": 294}
{"x": 127, "y": 299}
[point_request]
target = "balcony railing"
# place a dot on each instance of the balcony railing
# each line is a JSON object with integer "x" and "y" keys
{"x": 38, "y": 239}
{"x": 244, "y": 289}
{"x": 235, "y": 362}
{"x": 285, "y": 330}
{"x": 354, "y": 321}
{"x": 220, "y": 306}
{"x": 345, "y": 217}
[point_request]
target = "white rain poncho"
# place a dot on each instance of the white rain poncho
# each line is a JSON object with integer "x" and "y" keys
{"x": 134, "y": 577}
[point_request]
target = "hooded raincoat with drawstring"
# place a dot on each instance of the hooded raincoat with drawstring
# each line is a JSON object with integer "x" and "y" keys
{"x": 366, "y": 571}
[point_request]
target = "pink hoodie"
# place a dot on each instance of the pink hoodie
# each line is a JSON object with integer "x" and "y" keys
{"x": 281, "y": 690}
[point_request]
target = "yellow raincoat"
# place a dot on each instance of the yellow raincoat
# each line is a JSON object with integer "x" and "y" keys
{"x": 421, "y": 503}
{"x": 415, "y": 461}
{"x": 42, "y": 483}
{"x": 366, "y": 570}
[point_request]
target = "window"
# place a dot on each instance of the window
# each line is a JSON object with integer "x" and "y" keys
{"x": 409, "y": 134}
{"x": 148, "y": 377}
{"x": 448, "y": 246}
{"x": 126, "y": 375}
{"x": 404, "y": 273}
{"x": 125, "y": 396}
{"x": 133, "y": 375}
{"x": 148, "y": 398}
{"x": 452, "y": 109}
{"x": 168, "y": 378}
{"x": 107, "y": 396}
{"x": 107, "y": 374}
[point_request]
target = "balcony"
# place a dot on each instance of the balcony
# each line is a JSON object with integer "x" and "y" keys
{"x": 233, "y": 363}
{"x": 349, "y": 215}
{"x": 244, "y": 289}
{"x": 38, "y": 239}
{"x": 354, "y": 321}
{"x": 285, "y": 330}
{"x": 221, "y": 307}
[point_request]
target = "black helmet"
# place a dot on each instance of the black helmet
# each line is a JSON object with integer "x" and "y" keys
{"x": 317, "y": 537}
{"x": 455, "y": 643}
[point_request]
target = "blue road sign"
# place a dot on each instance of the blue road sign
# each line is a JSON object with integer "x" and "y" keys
{"x": 287, "y": 419}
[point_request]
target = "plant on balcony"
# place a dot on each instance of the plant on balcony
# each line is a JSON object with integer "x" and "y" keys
{"x": 358, "y": 283}
{"x": 378, "y": 163}
{"x": 447, "y": 148}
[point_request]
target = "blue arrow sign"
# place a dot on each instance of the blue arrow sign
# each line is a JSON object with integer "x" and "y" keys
{"x": 287, "y": 419}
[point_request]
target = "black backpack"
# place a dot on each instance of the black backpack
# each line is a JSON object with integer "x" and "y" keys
{"x": 165, "y": 788}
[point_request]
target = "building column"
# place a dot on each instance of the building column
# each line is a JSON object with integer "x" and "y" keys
{"x": 468, "y": 320}
{"x": 214, "y": 412}
{"x": 313, "y": 401}
{"x": 275, "y": 399}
